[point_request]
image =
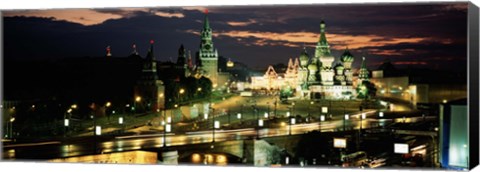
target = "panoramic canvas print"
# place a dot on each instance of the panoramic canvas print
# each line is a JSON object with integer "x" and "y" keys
{"x": 345, "y": 86}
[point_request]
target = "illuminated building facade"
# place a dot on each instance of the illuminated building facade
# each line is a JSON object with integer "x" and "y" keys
{"x": 318, "y": 77}
{"x": 326, "y": 80}
{"x": 269, "y": 81}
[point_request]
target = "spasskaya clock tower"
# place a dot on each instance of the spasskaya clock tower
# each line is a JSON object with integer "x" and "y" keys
{"x": 207, "y": 56}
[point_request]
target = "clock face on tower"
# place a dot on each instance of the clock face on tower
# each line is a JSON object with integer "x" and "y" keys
{"x": 208, "y": 46}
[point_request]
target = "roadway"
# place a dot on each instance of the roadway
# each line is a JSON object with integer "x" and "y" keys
{"x": 101, "y": 144}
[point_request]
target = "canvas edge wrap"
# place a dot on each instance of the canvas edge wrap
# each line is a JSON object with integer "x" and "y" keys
{"x": 473, "y": 84}
{"x": 1, "y": 81}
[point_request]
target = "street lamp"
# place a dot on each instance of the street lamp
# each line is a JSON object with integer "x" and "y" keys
{"x": 180, "y": 95}
{"x": 120, "y": 120}
{"x": 322, "y": 118}
{"x": 216, "y": 125}
{"x": 260, "y": 124}
{"x": 324, "y": 110}
{"x": 98, "y": 130}
{"x": 292, "y": 122}
{"x": 361, "y": 120}
{"x": 380, "y": 114}
{"x": 66, "y": 120}
{"x": 138, "y": 99}
{"x": 12, "y": 119}
{"x": 167, "y": 127}
{"x": 66, "y": 123}
{"x": 107, "y": 105}
{"x": 345, "y": 120}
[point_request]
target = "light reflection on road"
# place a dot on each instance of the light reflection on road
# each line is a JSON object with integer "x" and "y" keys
{"x": 156, "y": 140}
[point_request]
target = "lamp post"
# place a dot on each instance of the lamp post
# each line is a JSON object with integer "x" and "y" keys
{"x": 166, "y": 127}
{"x": 228, "y": 116}
{"x": 107, "y": 105}
{"x": 346, "y": 117}
{"x": 180, "y": 95}
{"x": 255, "y": 112}
{"x": 322, "y": 118}
{"x": 291, "y": 122}
{"x": 239, "y": 117}
{"x": 364, "y": 116}
{"x": 309, "y": 112}
{"x": 293, "y": 108}
{"x": 138, "y": 99}
{"x": 12, "y": 119}
{"x": 275, "y": 110}
{"x": 268, "y": 110}
{"x": 66, "y": 121}
{"x": 172, "y": 112}
{"x": 127, "y": 108}
{"x": 120, "y": 122}
{"x": 260, "y": 124}
{"x": 213, "y": 124}
{"x": 97, "y": 130}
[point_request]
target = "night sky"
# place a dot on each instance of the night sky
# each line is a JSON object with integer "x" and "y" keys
{"x": 409, "y": 35}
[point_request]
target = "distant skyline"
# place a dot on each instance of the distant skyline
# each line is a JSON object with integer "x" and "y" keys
{"x": 422, "y": 35}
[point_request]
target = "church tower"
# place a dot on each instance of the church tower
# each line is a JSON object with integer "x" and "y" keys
{"x": 363, "y": 73}
{"x": 149, "y": 88}
{"x": 207, "y": 56}
{"x": 322, "y": 53}
{"x": 182, "y": 61}
{"x": 347, "y": 60}
{"x": 303, "y": 69}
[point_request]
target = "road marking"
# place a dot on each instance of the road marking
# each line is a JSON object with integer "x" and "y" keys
{"x": 145, "y": 135}
{"x": 31, "y": 144}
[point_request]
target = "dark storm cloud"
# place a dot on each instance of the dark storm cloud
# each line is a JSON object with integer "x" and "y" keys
{"x": 408, "y": 32}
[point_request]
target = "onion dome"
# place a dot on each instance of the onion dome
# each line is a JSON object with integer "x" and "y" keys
{"x": 304, "y": 58}
{"x": 313, "y": 66}
{"x": 346, "y": 56}
{"x": 339, "y": 66}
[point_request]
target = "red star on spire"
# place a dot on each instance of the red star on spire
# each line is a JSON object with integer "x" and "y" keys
{"x": 206, "y": 11}
{"x": 151, "y": 41}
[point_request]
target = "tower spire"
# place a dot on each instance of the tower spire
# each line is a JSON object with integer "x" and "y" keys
{"x": 189, "y": 61}
{"x": 134, "y": 47}
{"x": 109, "y": 51}
{"x": 364, "y": 66}
{"x": 206, "y": 24}
{"x": 150, "y": 51}
{"x": 363, "y": 74}
{"x": 323, "y": 38}
{"x": 181, "y": 56}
